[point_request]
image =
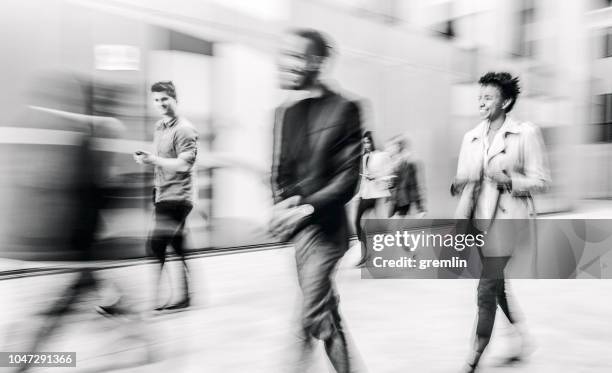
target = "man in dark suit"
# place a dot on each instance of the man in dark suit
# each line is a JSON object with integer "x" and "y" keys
{"x": 317, "y": 150}
{"x": 405, "y": 191}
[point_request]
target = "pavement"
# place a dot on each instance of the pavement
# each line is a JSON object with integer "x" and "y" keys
{"x": 245, "y": 310}
{"x": 586, "y": 209}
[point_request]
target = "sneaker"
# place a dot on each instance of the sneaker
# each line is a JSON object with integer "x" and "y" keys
{"x": 160, "y": 308}
{"x": 510, "y": 361}
{"x": 179, "y": 306}
{"x": 110, "y": 311}
{"x": 362, "y": 263}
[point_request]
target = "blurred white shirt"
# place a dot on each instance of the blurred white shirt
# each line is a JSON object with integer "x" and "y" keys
{"x": 378, "y": 166}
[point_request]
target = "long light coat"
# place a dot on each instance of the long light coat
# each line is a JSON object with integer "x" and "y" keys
{"x": 520, "y": 152}
{"x": 517, "y": 150}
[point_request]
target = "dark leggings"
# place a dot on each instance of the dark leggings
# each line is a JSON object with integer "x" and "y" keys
{"x": 363, "y": 206}
{"x": 491, "y": 293}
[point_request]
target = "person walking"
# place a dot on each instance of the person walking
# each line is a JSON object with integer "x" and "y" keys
{"x": 317, "y": 150}
{"x": 176, "y": 148}
{"x": 502, "y": 162}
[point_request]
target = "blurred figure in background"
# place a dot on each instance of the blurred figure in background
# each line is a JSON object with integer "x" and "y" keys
{"x": 376, "y": 173}
{"x": 317, "y": 148}
{"x": 57, "y": 181}
{"x": 405, "y": 189}
{"x": 501, "y": 163}
{"x": 176, "y": 148}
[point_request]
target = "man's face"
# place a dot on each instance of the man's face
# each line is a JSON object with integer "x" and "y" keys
{"x": 165, "y": 104}
{"x": 297, "y": 65}
{"x": 491, "y": 102}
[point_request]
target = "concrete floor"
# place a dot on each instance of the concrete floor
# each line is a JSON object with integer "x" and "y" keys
{"x": 245, "y": 307}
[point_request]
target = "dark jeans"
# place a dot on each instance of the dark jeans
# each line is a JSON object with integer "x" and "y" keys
{"x": 317, "y": 254}
{"x": 170, "y": 219}
{"x": 491, "y": 293}
{"x": 363, "y": 206}
{"x": 169, "y": 225}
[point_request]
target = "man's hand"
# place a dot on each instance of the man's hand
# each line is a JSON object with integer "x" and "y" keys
{"x": 142, "y": 157}
{"x": 287, "y": 215}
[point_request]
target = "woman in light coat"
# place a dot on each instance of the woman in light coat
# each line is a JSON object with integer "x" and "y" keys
{"x": 376, "y": 168}
{"x": 502, "y": 162}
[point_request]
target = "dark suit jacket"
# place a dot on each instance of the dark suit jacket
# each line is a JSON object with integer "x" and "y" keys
{"x": 407, "y": 186}
{"x": 320, "y": 162}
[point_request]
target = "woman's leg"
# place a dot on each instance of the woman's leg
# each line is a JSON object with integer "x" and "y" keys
{"x": 363, "y": 206}
{"x": 490, "y": 286}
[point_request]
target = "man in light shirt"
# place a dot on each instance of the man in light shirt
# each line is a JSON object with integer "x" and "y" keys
{"x": 175, "y": 145}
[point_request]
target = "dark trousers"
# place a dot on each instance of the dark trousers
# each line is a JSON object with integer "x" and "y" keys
{"x": 170, "y": 219}
{"x": 362, "y": 207}
{"x": 491, "y": 293}
{"x": 317, "y": 254}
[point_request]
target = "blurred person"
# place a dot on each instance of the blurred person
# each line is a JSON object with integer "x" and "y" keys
{"x": 405, "y": 190}
{"x": 57, "y": 186}
{"x": 176, "y": 146}
{"x": 501, "y": 163}
{"x": 317, "y": 148}
{"x": 373, "y": 188}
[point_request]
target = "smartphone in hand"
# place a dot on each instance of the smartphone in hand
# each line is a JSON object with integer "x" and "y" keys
{"x": 138, "y": 155}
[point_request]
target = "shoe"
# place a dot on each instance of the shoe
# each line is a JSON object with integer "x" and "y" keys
{"x": 110, "y": 311}
{"x": 160, "y": 308}
{"x": 179, "y": 306}
{"x": 362, "y": 263}
{"x": 521, "y": 354}
{"x": 510, "y": 361}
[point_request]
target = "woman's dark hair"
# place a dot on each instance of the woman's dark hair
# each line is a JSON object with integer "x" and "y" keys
{"x": 368, "y": 135}
{"x": 507, "y": 84}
